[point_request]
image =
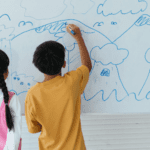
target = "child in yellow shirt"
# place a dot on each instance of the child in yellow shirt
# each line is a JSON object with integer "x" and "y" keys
{"x": 52, "y": 107}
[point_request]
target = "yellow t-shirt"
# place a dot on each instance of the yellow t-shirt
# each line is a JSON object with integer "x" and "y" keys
{"x": 53, "y": 107}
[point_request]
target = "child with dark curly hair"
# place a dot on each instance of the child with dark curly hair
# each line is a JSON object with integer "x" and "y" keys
{"x": 52, "y": 107}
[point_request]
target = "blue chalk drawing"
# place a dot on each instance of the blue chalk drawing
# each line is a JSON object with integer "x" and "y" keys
{"x": 113, "y": 23}
{"x": 98, "y": 24}
{"x": 146, "y": 83}
{"x": 57, "y": 29}
{"x": 143, "y": 20}
{"x": 112, "y": 52}
{"x": 6, "y": 16}
{"x": 147, "y": 55}
{"x": 78, "y": 6}
{"x": 98, "y": 55}
{"x": 119, "y": 7}
{"x": 23, "y": 23}
{"x": 107, "y": 65}
{"x": 105, "y": 72}
{"x": 50, "y": 11}
{"x": 148, "y": 95}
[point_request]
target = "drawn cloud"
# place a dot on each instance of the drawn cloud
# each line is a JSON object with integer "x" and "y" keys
{"x": 43, "y": 9}
{"x": 147, "y": 55}
{"x": 78, "y": 6}
{"x": 113, "y": 7}
{"x": 109, "y": 54}
{"x": 6, "y": 33}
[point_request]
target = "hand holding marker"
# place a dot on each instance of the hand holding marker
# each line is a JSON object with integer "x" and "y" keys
{"x": 74, "y": 31}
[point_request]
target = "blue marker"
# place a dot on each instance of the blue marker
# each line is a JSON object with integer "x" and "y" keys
{"x": 72, "y": 31}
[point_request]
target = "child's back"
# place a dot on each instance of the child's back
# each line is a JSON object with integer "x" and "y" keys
{"x": 55, "y": 104}
{"x": 53, "y": 107}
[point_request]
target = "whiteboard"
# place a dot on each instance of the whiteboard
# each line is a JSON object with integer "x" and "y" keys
{"x": 117, "y": 36}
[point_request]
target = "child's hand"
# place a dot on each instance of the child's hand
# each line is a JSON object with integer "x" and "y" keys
{"x": 76, "y": 29}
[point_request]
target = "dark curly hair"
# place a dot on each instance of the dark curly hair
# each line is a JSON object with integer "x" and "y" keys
{"x": 49, "y": 57}
{"x": 4, "y": 63}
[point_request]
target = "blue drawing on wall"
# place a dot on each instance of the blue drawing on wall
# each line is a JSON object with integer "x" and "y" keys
{"x": 5, "y": 15}
{"x": 120, "y": 54}
{"x": 23, "y": 23}
{"x": 103, "y": 57}
{"x": 121, "y": 6}
{"x": 43, "y": 9}
{"x": 147, "y": 55}
{"x": 138, "y": 24}
{"x": 100, "y": 52}
{"x": 105, "y": 72}
{"x": 78, "y": 6}
{"x": 98, "y": 24}
{"x": 113, "y": 23}
{"x": 146, "y": 87}
{"x": 105, "y": 54}
{"x": 142, "y": 20}
{"x": 148, "y": 95}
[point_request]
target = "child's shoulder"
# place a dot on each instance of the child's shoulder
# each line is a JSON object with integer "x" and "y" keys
{"x": 33, "y": 88}
{"x": 79, "y": 71}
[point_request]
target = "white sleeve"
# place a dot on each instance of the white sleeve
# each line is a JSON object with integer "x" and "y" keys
{"x": 16, "y": 106}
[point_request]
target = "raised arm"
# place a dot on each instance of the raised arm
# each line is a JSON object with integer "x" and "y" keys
{"x": 85, "y": 58}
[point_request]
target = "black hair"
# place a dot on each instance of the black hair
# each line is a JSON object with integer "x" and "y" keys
{"x": 49, "y": 57}
{"x": 4, "y": 63}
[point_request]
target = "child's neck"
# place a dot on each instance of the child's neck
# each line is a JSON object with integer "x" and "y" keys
{"x": 49, "y": 77}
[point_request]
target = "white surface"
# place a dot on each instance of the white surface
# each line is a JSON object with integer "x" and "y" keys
{"x": 116, "y": 34}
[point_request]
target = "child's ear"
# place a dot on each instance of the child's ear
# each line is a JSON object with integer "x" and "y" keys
{"x": 64, "y": 64}
{"x": 6, "y": 74}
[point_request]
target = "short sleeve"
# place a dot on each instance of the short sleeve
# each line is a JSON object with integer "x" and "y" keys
{"x": 83, "y": 76}
{"x": 32, "y": 123}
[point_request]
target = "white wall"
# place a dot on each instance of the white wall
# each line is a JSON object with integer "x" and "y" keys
{"x": 116, "y": 34}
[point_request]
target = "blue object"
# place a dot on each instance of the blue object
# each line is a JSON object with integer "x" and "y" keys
{"x": 21, "y": 83}
{"x": 105, "y": 72}
{"x": 73, "y": 32}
